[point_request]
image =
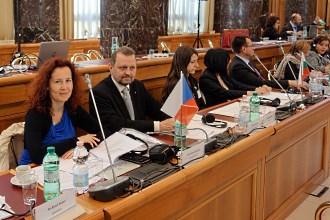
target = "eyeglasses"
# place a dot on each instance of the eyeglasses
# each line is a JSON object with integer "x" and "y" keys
{"x": 248, "y": 45}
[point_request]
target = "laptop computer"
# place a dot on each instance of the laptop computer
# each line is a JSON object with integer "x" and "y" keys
{"x": 51, "y": 49}
{"x": 312, "y": 31}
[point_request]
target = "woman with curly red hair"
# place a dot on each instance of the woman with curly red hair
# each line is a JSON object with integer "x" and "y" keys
{"x": 55, "y": 113}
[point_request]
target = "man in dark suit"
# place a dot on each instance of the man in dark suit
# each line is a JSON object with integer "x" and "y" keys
{"x": 293, "y": 25}
{"x": 244, "y": 70}
{"x": 123, "y": 101}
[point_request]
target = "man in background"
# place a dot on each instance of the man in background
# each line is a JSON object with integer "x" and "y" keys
{"x": 124, "y": 102}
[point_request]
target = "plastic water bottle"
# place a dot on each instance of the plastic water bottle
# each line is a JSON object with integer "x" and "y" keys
{"x": 180, "y": 129}
{"x": 304, "y": 35}
{"x": 315, "y": 83}
{"x": 114, "y": 44}
{"x": 244, "y": 112}
{"x": 322, "y": 22}
{"x": 80, "y": 169}
{"x": 254, "y": 107}
{"x": 51, "y": 174}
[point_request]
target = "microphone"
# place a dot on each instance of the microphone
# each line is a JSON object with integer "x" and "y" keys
{"x": 269, "y": 74}
{"x": 325, "y": 59}
{"x": 306, "y": 61}
{"x": 108, "y": 190}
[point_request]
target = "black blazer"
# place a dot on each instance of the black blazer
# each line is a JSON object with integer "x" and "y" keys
{"x": 113, "y": 112}
{"x": 272, "y": 33}
{"x": 288, "y": 27}
{"x": 214, "y": 93}
{"x": 241, "y": 72}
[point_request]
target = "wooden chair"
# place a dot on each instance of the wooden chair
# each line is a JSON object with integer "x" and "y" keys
{"x": 94, "y": 55}
{"x": 79, "y": 57}
{"x": 29, "y": 60}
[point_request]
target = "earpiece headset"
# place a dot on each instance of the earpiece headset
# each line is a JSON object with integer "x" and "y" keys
{"x": 210, "y": 120}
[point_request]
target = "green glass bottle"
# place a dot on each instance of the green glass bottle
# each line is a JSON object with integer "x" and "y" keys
{"x": 51, "y": 174}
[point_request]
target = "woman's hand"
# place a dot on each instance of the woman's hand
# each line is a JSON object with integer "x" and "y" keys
{"x": 294, "y": 83}
{"x": 89, "y": 138}
{"x": 68, "y": 154}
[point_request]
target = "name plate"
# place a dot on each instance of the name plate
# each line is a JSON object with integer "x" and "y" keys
{"x": 193, "y": 152}
{"x": 56, "y": 206}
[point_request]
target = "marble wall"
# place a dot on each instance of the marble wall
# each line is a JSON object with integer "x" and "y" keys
{"x": 240, "y": 14}
{"x": 307, "y": 9}
{"x": 136, "y": 23}
{"x": 39, "y": 20}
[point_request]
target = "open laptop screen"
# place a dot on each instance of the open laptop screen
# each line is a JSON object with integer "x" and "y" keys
{"x": 312, "y": 31}
{"x": 51, "y": 49}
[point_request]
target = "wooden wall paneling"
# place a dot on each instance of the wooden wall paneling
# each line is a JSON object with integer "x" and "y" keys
{"x": 321, "y": 9}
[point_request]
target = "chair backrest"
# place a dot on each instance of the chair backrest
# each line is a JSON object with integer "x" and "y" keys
{"x": 94, "y": 55}
{"x": 79, "y": 57}
{"x": 11, "y": 146}
{"x": 29, "y": 60}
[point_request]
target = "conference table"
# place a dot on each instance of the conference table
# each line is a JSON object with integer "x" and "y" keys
{"x": 264, "y": 176}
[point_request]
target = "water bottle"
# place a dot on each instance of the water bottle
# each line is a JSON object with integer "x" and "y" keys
{"x": 51, "y": 174}
{"x": 315, "y": 83}
{"x": 180, "y": 129}
{"x": 244, "y": 112}
{"x": 294, "y": 36}
{"x": 114, "y": 44}
{"x": 80, "y": 169}
{"x": 304, "y": 35}
{"x": 322, "y": 22}
{"x": 254, "y": 107}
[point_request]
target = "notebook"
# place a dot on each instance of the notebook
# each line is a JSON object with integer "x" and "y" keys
{"x": 51, "y": 49}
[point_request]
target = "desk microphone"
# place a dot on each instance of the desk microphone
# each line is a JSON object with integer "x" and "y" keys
{"x": 110, "y": 189}
{"x": 327, "y": 60}
{"x": 306, "y": 61}
{"x": 269, "y": 74}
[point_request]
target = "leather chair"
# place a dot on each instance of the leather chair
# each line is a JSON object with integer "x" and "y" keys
{"x": 79, "y": 57}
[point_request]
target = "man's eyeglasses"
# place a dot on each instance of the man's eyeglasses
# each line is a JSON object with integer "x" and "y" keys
{"x": 248, "y": 45}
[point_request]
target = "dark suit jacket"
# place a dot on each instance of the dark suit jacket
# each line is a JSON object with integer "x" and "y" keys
{"x": 272, "y": 33}
{"x": 241, "y": 72}
{"x": 214, "y": 93}
{"x": 113, "y": 112}
{"x": 288, "y": 27}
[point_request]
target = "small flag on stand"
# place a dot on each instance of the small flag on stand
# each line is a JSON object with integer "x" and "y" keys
{"x": 181, "y": 104}
{"x": 303, "y": 70}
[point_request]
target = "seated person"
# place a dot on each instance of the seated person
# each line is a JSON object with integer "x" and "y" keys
{"x": 215, "y": 82}
{"x": 185, "y": 61}
{"x": 55, "y": 113}
{"x": 294, "y": 25}
{"x": 271, "y": 30}
{"x": 243, "y": 69}
{"x": 289, "y": 67}
{"x": 124, "y": 102}
{"x": 318, "y": 56}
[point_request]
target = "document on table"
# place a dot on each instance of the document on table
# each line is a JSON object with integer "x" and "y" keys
{"x": 118, "y": 145}
{"x": 228, "y": 110}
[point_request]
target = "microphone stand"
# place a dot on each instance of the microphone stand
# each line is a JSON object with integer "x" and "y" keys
{"x": 89, "y": 84}
{"x": 294, "y": 76}
{"x": 198, "y": 39}
{"x": 19, "y": 52}
{"x": 269, "y": 74}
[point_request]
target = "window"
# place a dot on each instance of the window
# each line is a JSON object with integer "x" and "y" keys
{"x": 183, "y": 16}
{"x": 86, "y": 19}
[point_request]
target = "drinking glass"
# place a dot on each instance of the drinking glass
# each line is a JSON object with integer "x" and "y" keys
{"x": 29, "y": 188}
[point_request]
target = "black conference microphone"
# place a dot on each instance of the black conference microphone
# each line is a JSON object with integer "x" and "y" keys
{"x": 292, "y": 105}
{"x": 110, "y": 189}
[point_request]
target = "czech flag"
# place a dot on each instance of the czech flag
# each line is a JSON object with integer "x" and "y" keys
{"x": 303, "y": 70}
{"x": 181, "y": 104}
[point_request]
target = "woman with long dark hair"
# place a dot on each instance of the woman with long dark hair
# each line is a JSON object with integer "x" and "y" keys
{"x": 215, "y": 82}
{"x": 185, "y": 61}
{"x": 55, "y": 113}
